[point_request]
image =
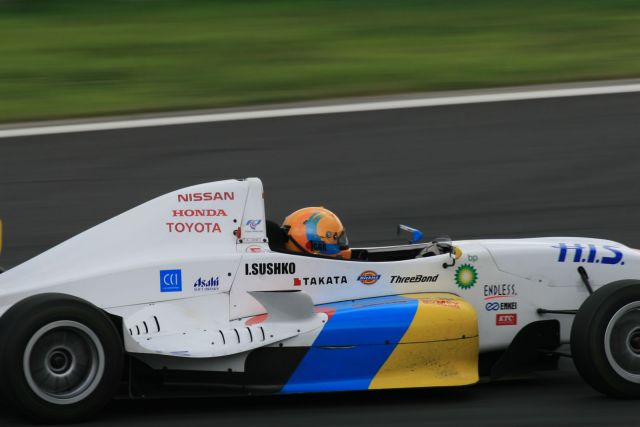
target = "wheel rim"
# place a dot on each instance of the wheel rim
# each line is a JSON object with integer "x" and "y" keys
{"x": 622, "y": 342}
{"x": 63, "y": 362}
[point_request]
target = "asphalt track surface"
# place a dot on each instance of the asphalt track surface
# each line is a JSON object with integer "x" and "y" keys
{"x": 567, "y": 166}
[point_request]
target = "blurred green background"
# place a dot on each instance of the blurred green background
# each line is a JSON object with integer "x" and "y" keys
{"x": 64, "y": 58}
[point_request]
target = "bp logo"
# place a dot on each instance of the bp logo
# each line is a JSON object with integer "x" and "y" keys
{"x": 466, "y": 276}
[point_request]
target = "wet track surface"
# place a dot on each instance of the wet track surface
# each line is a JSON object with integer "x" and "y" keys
{"x": 512, "y": 169}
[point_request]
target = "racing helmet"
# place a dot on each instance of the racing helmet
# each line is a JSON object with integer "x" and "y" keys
{"x": 316, "y": 231}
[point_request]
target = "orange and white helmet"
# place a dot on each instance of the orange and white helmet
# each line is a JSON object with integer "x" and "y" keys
{"x": 316, "y": 231}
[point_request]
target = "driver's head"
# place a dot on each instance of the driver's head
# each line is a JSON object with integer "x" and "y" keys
{"x": 316, "y": 231}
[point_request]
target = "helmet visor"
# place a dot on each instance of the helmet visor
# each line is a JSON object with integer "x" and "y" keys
{"x": 343, "y": 240}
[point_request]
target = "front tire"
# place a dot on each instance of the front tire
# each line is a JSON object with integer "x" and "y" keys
{"x": 605, "y": 339}
{"x": 60, "y": 358}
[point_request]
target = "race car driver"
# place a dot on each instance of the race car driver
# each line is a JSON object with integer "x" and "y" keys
{"x": 316, "y": 231}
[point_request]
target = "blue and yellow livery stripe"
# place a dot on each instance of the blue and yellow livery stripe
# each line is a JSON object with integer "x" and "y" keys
{"x": 353, "y": 346}
{"x": 439, "y": 348}
{"x": 416, "y": 340}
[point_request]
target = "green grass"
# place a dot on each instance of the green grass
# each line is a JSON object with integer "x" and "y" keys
{"x": 63, "y": 58}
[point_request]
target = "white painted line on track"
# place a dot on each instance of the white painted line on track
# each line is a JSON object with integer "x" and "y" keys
{"x": 352, "y": 107}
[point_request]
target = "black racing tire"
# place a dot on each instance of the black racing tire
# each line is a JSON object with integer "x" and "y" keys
{"x": 61, "y": 358}
{"x": 605, "y": 339}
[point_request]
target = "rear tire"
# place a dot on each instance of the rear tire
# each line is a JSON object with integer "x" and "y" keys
{"x": 60, "y": 358}
{"x": 605, "y": 339}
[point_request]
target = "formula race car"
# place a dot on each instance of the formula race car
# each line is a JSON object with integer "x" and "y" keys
{"x": 193, "y": 293}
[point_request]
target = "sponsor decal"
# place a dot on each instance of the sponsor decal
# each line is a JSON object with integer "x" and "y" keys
{"x": 472, "y": 258}
{"x": 252, "y": 240}
{"x": 368, "y": 277}
{"x": 466, "y": 276}
{"x": 253, "y": 226}
{"x": 499, "y": 291}
{"x": 206, "y": 284}
{"x": 320, "y": 280}
{"x": 171, "y": 280}
{"x": 198, "y": 212}
{"x": 269, "y": 268}
{"x": 254, "y": 249}
{"x": 253, "y": 223}
{"x": 418, "y": 278}
{"x": 500, "y": 306}
{"x": 442, "y": 302}
{"x": 492, "y": 306}
{"x": 506, "y": 319}
{"x": 206, "y": 197}
{"x": 317, "y": 246}
{"x": 194, "y": 227}
{"x": 590, "y": 254}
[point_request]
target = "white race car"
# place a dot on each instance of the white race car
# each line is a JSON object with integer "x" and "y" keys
{"x": 193, "y": 293}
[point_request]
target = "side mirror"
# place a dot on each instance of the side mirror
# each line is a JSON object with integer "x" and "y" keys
{"x": 413, "y": 235}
